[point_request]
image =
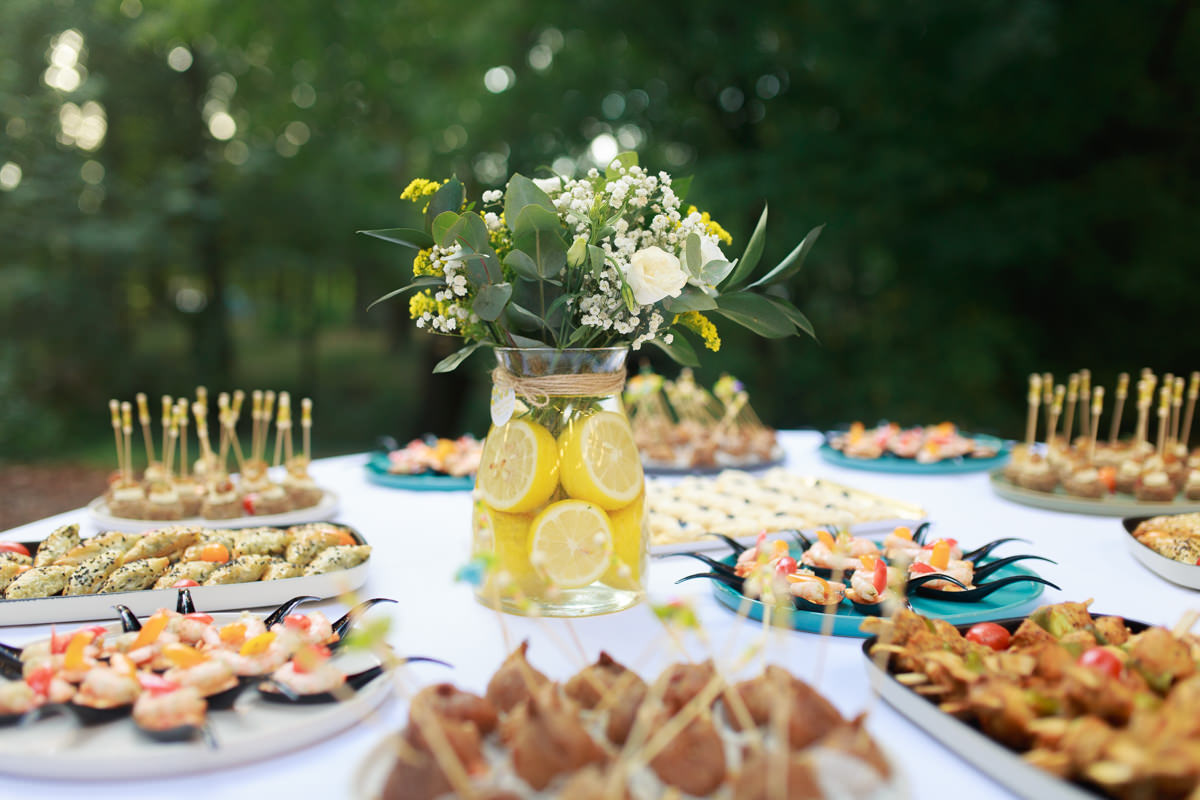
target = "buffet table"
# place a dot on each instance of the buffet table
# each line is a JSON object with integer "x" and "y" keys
{"x": 420, "y": 539}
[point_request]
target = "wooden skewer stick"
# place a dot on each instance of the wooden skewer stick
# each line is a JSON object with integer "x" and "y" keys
{"x": 231, "y": 435}
{"x": 168, "y": 417}
{"x": 283, "y": 422}
{"x": 147, "y": 434}
{"x": 1055, "y": 412}
{"x": 170, "y": 436}
{"x": 201, "y": 414}
{"x": 127, "y": 430}
{"x": 1097, "y": 408}
{"x": 1072, "y": 396}
{"x": 1035, "y": 395}
{"x": 222, "y": 423}
{"x": 181, "y": 413}
{"x": 1122, "y": 393}
{"x": 1047, "y": 389}
{"x": 1143, "y": 405}
{"x": 268, "y": 415}
{"x": 114, "y": 410}
{"x": 1085, "y": 391}
{"x": 256, "y": 407}
{"x": 1193, "y": 392}
{"x": 1176, "y": 406}
{"x": 1164, "y": 411}
{"x": 306, "y": 424}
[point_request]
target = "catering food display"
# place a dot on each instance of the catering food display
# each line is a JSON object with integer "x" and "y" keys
{"x": 168, "y": 490}
{"x": 680, "y": 426}
{"x": 426, "y": 464}
{"x": 1117, "y": 476}
{"x": 66, "y": 577}
{"x": 608, "y": 733}
{"x": 842, "y": 575}
{"x": 741, "y": 505}
{"x": 175, "y": 677}
{"x": 929, "y": 449}
{"x": 1168, "y": 545}
{"x": 1107, "y": 704}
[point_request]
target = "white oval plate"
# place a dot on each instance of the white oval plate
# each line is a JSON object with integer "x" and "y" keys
{"x": 322, "y": 511}
{"x": 253, "y": 731}
{"x": 259, "y": 594}
{"x": 1175, "y": 571}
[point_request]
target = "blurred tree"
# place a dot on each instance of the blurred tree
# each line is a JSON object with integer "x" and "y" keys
{"x": 1006, "y": 187}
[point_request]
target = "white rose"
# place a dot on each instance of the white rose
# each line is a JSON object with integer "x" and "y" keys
{"x": 548, "y": 185}
{"x": 654, "y": 274}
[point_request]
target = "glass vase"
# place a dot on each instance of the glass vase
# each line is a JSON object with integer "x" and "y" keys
{"x": 559, "y": 510}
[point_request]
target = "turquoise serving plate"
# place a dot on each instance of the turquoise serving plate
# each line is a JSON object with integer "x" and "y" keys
{"x": 377, "y": 472}
{"x": 1009, "y": 601}
{"x": 893, "y": 463}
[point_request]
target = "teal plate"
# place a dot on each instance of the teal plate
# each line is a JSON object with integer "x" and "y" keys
{"x": 1010, "y": 601}
{"x": 893, "y": 463}
{"x": 377, "y": 472}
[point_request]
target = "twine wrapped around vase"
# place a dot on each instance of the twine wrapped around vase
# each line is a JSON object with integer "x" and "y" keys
{"x": 537, "y": 391}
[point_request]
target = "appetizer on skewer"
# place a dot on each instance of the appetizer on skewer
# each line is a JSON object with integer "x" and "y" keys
{"x": 168, "y": 492}
{"x": 1152, "y": 469}
{"x": 681, "y": 425}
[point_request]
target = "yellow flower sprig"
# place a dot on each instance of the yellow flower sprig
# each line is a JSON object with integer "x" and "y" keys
{"x": 712, "y": 225}
{"x": 695, "y": 321}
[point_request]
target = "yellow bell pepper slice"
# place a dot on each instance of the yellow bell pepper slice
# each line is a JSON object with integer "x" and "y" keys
{"x": 150, "y": 631}
{"x": 258, "y": 644}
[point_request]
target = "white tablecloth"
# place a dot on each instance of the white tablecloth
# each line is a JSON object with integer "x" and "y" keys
{"x": 420, "y": 539}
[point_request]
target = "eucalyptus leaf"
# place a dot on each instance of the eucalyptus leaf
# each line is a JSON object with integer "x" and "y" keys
{"x": 522, "y": 193}
{"x": 792, "y": 263}
{"x": 525, "y": 341}
{"x": 421, "y": 282}
{"x": 757, "y": 313}
{"x": 577, "y": 336}
{"x": 442, "y": 226}
{"x": 680, "y": 350}
{"x": 448, "y": 198}
{"x": 794, "y": 314}
{"x": 409, "y": 237}
{"x": 749, "y": 259}
{"x": 681, "y": 187}
{"x": 596, "y": 259}
{"x": 690, "y": 299}
{"x": 539, "y": 235}
{"x": 524, "y": 319}
{"x": 691, "y": 253}
{"x": 715, "y": 271}
{"x": 523, "y": 265}
{"x": 450, "y": 362}
{"x": 491, "y": 299}
{"x": 627, "y": 159}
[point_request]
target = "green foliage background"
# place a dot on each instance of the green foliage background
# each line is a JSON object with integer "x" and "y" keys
{"x": 1006, "y": 186}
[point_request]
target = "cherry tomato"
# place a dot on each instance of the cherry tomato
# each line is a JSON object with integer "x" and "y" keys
{"x": 39, "y": 679}
{"x": 989, "y": 634}
{"x": 297, "y": 622}
{"x": 922, "y": 568}
{"x": 785, "y": 565}
{"x": 880, "y": 578}
{"x": 215, "y": 552}
{"x": 205, "y": 618}
{"x": 1108, "y": 476}
{"x": 248, "y": 503}
{"x": 1103, "y": 660}
{"x": 184, "y": 583}
{"x": 156, "y": 684}
{"x": 14, "y": 547}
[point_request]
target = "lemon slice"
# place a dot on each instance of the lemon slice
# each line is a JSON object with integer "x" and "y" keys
{"x": 518, "y": 470}
{"x": 599, "y": 460}
{"x": 571, "y": 543}
{"x": 625, "y": 569}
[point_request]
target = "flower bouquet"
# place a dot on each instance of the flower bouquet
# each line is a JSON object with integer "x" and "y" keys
{"x": 562, "y": 276}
